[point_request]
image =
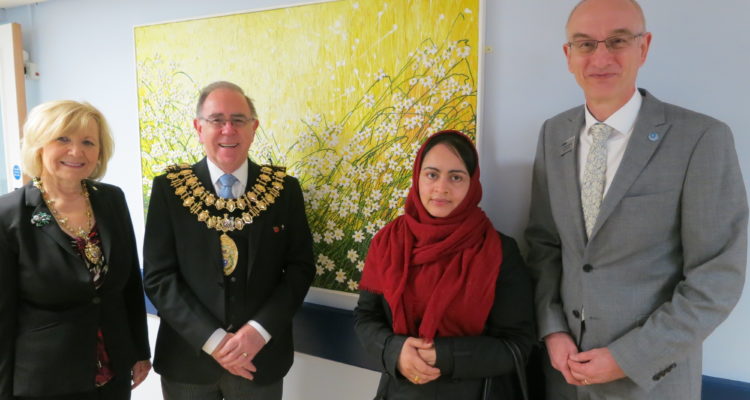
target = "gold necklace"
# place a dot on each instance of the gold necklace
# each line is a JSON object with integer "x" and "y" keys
{"x": 199, "y": 201}
{"x": 92, "y": 250}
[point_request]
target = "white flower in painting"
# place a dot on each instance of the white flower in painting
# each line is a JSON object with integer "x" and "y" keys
{"x": 319, "y": 270}
{"x": 331, "y": 225}
{"x": 467, "y": 11}
{"x": 376, "y": 195}
{"x": 328, "y": 237}
{"x": 438, "y": 123}
{"x": 352, "y": 255}
{"x": 317, "y": 237}
{"x": 413, "y": 81}
{"x": 353, "y": 285}
{"x": 387, "y": 178}
{"x": 466, "y": 89}
{"x": 358, "y": 236}
{"x": 332, "y": 141}
{"x": 413, "y": 122}
{"x": 439, "y": 71}
{"x": 380, "y": 75}
{"x": 338, "y": 234}
{"x": 369, "y": 100}
{"x": 360, "y": 266}
{"x": 372, "y": 228}
{"x": 463, "y": 52}
{"x": 427, "y": 82}
{"x": 379, "y": 223}
{"x": 392, "y": 203}
{"x": 340, "y": 276}
{"x": 325, "y": 262}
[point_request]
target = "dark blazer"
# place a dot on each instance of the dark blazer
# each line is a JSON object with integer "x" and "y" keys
{"x": 665, "y": 262}
{"x": 184, "y": 279}
{"x": 49, "y": 309}
{"x": 464, "y": 362}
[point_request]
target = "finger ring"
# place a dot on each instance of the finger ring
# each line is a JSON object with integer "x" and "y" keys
{"x": 585, "y": 381}
{"x": 244, "y": 355}
{"x": 416, "y": 379}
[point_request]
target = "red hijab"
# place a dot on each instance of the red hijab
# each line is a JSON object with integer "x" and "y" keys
{"x": 437, "y": 274}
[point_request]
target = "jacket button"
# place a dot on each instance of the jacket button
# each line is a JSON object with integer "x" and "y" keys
{"x": 587, "y": 268}
{"x": 576, "y": 313}
{"x": 96, "y": 300}
{"x": 233, "y": 279}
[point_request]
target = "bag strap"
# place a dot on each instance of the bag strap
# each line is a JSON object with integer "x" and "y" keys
{"x": 520, "y": 367}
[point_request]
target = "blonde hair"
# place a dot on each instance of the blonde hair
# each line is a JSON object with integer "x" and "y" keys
{"x": 48, "y": 121}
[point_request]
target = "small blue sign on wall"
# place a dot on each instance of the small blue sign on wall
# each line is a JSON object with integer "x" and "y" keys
{"x": 16, "y": 172}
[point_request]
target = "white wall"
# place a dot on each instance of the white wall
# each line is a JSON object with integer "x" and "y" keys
{"x": 699, "y": 59}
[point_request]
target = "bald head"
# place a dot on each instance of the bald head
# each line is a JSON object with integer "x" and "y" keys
{"x": 610, "y": 3}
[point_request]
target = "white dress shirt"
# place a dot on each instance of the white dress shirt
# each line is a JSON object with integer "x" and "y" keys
{"x": 622, "y": 121}
{"x": 237, "y": 189}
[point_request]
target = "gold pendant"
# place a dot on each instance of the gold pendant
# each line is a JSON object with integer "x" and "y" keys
{"x": 93, "y": 252}
{"x": 229, "y": 254}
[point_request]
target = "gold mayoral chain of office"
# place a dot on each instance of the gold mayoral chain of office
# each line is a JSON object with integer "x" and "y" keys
{"x": 237, "y": 213}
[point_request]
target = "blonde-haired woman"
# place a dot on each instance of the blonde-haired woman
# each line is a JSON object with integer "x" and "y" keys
{"x": 72, "y": 313}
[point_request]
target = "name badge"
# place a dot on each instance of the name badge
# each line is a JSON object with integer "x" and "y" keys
{"x": 568, "y": 145}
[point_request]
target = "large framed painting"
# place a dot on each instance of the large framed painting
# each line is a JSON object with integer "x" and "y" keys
{"x": 345, "y": 92}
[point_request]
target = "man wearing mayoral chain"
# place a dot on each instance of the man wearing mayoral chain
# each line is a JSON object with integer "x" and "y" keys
{"x": 227, "y": 261}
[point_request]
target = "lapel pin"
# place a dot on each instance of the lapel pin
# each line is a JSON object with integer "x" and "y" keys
{"x": 276, "y": 229}
{"x": 653, "y": 136}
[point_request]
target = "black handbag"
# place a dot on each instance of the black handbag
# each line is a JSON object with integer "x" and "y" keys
{"x": 520, "y": 365}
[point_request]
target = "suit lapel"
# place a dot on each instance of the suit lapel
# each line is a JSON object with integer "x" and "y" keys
{"x": 34, "y": 199}
{"x": 105, "y": 218}
{"x": 569, "y": 148}
{"x": 649, "y": 131}
{"x": 254, "y": 230}
{"x": 212, "y": 240}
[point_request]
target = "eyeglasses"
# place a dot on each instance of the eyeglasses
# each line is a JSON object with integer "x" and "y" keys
{"x": 219, "y": 122}
{"x": 613, "y": 43}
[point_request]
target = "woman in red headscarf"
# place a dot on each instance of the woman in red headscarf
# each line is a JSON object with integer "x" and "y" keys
{"x": 442, "y": 293}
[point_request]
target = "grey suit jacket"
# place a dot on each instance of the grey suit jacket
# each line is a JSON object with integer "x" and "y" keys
{"x": 665, "y": 263}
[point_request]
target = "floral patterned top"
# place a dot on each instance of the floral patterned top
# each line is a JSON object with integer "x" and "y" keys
{"x": 98, "y": 271}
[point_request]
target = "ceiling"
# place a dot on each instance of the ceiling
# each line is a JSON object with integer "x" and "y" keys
{"x": 16, "y": 3}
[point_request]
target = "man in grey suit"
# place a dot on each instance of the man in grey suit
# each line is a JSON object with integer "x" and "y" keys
{"x": 638, "y": 226}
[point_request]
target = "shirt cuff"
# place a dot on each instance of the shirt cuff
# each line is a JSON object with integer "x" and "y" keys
{"x": 258, "y": 327}
{"x": 214, "y": 340}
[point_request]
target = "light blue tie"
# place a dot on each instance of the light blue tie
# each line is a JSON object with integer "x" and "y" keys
{"x": 227, "y": 181}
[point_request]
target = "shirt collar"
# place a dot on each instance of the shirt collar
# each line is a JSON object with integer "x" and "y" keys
{"x": 216, "y": 172}
{"x": 623, "y": 119}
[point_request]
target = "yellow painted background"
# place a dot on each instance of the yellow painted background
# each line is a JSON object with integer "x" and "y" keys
{"x": 345, "y": 92}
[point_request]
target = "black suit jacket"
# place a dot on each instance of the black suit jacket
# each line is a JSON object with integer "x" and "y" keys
{"x": 184, "y": 279}
{"x": 463, "y": 361}
{"x": 50, "y": 311}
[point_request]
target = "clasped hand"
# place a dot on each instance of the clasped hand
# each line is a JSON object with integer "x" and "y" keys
{"x": 581, "y": 368}
{"x": 237, "y": 350}
{"x": 417, "y": 361}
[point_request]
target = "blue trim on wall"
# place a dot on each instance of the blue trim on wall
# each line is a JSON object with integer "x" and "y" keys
{"x": 724, "y": 389}
{"x": 328, "y": 332}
